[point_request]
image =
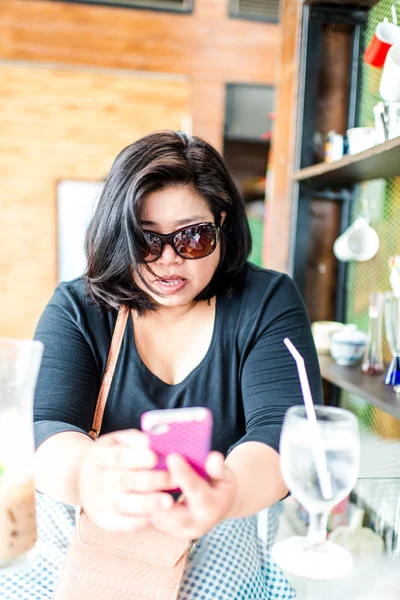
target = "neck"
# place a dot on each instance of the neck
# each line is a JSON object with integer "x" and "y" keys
{"x": 172, "y": 314}
{"x": 168, "y": 314}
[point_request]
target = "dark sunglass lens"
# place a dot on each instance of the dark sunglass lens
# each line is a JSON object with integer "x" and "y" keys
{"x": 195, "y": 242}
{"x": 152, "y": 247}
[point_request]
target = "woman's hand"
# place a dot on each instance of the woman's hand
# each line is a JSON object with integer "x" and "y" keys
{"x": 205, "y": 503}
{"x": 118, "y": 489}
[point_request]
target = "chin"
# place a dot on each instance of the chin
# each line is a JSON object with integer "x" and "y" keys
{"x": 176, "y": 300}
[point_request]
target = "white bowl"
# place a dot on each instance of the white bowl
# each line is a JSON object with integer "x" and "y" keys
{"x": 347, "y": 346}
{"x": 322, "y": 331}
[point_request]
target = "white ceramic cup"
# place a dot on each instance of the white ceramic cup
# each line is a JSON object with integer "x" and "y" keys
{"x": 388, "y": 32}
{"x": 361, "y": 138}
{"x": 387, "y": 121}
{"x": 393, "y": 119}
{"x": 389, "y": 87}
{"x": 359, "y": 242}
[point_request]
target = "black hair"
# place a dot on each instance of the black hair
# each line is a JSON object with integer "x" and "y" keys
{"x": 115, "y": 238}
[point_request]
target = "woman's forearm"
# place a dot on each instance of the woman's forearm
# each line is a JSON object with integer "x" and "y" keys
{"x": 260, "y": 483}
{"x": 57, "y": 465}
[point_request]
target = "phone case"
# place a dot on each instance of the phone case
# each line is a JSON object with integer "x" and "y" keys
{"x": 185, "y": 431}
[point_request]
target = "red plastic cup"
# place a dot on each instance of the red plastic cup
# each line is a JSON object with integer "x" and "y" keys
{"x": 385, "y": 36}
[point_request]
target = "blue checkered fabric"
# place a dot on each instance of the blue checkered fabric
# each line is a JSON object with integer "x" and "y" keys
{"x": 231, "y": 562}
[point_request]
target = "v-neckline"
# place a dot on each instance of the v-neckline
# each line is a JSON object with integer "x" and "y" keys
{"x": 192, "y": 373}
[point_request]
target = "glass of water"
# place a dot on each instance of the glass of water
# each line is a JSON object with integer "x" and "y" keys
{"x": 19, "y": 367}
{"x": 313, "y": 556}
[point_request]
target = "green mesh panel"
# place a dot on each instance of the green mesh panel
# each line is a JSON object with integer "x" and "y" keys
{"x": 383, "y": 208}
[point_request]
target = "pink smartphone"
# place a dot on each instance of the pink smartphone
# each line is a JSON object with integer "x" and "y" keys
{"x": 185, "y": 431}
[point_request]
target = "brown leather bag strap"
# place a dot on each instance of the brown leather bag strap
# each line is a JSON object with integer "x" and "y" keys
{"x": 116, "y": 341}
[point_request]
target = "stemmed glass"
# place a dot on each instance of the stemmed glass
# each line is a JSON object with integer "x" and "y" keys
{"x": 392, "y": 327}
{"x": 313, "y": 556}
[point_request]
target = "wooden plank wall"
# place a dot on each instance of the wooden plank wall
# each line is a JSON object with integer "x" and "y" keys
{"x": 64, "y": 115}
{"x": 207, "y": 46}
{"x": 61, "y": 124}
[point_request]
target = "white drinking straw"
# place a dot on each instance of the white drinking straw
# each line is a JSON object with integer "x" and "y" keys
{"x": 316, "y": 439}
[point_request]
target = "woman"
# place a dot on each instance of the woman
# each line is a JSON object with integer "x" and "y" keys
{"x": 170, "y": 240}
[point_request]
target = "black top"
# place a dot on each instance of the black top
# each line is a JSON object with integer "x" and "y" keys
{"x": 247, "y": 378}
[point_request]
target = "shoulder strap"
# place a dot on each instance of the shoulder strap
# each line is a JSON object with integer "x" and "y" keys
{"x": 116, "y": 341}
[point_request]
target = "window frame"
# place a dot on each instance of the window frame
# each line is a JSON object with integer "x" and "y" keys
{"x": 235, "y": 14}
{"x": 135, "y": 5}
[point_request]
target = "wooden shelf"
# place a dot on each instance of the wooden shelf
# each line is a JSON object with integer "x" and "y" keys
{"x": 369, "y": 387}
{"x": 381, "y": 161}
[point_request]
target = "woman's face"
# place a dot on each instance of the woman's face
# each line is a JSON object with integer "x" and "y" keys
{"x": 178, "y": 280}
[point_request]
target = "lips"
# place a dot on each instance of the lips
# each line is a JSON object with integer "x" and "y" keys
{"x": 171, "y": 283}
{"x": 171, "y": 278}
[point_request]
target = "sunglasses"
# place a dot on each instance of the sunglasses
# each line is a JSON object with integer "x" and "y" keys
{"x": 191, "y": 243}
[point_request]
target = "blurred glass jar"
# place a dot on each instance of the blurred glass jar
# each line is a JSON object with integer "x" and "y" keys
{"x": 19, "y": 368}
{"x": 373, "y": 359}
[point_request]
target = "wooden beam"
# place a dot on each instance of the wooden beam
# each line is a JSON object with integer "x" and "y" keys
{"x": 277, "y": 228}
{"x": 206, "y": 42}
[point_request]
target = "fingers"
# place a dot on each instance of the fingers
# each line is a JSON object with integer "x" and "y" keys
{"x": 125, "y": 449}
{"x": 205, "y": 502}
{"x": 194, "y": 488}
{"x": 183, "y": 473}
{"x": 122, "y": 491}
{"x": 118, "y": 485}
{"x": 135, "y": 505}
{"x": 120, "y": 457}
{"x": 132, "y": 438}
{"x": 178, "y": 521}
{"x": 215, "y": 465}
{"x": 137, "y": 481}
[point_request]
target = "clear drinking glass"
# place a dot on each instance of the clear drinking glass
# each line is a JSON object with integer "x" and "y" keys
{"x": 19, "y": 367}
{"x": 392, "y": 327}
{"x": 372, "y": 363}
{"x": 313, "y": 556}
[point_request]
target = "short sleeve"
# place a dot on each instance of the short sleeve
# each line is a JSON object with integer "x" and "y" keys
{"x": 269, "y": 379}
{"x": 69, "y": 377}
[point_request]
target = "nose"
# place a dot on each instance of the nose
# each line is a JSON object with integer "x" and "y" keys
{"x": 169, "y": 256}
